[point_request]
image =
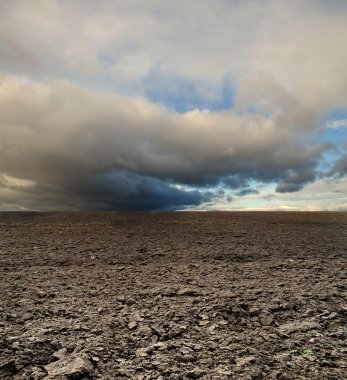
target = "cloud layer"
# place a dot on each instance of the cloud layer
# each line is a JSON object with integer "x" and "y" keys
{"x": 91, "y": 100}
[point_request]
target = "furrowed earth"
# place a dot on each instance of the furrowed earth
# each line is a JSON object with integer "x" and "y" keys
{"x": 215, "y": 295}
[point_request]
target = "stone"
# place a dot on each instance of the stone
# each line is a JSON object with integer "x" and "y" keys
{"x": 145, "y": 331}
{"x": 141, "y": 352}
{"x": 196, "y": 373}
{"x": 60, "y": 354}
{"x": 135, "y": 317}
{"x": 253, "y": 311}
{"x": 73, "y": 366}
{"x": 37, "y": 373}
{"x": 266, "y": 319}
{"x": 132, "y": 325}
{"x": 245, "y": 360}
{"x": 27, "y": 317}
{"x": 187, "y": 292}
{"x": 188, "y": 358}
{"x": 292, "y": 327}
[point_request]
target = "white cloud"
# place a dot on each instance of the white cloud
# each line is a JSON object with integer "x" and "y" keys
{"x": 336, "y": 124}
{"x": 13, "y": 182}
{"x": 199, "y": 41}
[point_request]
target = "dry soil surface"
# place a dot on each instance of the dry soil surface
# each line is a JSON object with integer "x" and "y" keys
{"x": 173, "y": 296}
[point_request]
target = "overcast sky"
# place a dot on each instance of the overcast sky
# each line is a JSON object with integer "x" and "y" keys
{"x": 171, "y": 105}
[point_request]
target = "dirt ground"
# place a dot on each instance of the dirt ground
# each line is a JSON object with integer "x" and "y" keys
{"x": 173, "y": 295}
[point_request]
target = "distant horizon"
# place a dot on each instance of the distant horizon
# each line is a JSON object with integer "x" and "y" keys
{"x": 171, "y": 211}
{"x": 151, "y": 105}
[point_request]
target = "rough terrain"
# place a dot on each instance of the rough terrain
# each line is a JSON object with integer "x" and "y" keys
{"x": 173, "y": 295}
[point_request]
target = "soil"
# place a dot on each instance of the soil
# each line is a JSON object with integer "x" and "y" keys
{"x": 220, "y": 295}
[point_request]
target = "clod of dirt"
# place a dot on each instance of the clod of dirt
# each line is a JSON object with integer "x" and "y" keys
{"x": 73, "y": 367}
{"x": 293, "y": 327}
{"x": 7, "y": 368}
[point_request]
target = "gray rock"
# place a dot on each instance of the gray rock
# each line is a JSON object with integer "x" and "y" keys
{"x": 293, "y": 327}
{"x": 196, "y": 373}
{"x": 73, "y": 366}
{"x": 187, "y": 292}
{"x": 60, "y": 354}
{"x": 37, "y": 373}
{"x": 266, "y": 319}
{"x": 145, "y": 331}
{"x": 245, "y": 360}
{"x": 132, "y": 325}
{"x": 141, "y": 352}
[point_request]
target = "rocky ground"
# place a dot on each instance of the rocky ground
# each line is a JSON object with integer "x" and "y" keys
{"x": 173, "y": 296}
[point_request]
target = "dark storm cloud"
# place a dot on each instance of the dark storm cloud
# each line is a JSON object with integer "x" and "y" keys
{"x": 121, "y": 190}
{"x": 339, "y": 168}
{"x": 245, "y": 192}
{"x": 295, "y": 180}
{"x": 234, "y": 182}
{"x": 115, "y": 190}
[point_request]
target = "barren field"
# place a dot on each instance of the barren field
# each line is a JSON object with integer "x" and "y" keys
{"x": 173, "y": 295}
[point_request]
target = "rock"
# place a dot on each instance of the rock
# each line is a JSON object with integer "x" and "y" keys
{"x": 132, "y": 325}
{"x": 266, "y": 319}
{"x": 145, "y": 331}
{"x": 141, "y": 352}
{"x": 188, "y": 358}
{"x": 37, "y": 373}
{"x": 293, "y": 327}
{"x": 187, "y": 292}
{"x": 60, "y": 354}
{"x": 245, "y": 360}
{"x": 27, "y": 317}
{"x": 73, "y": 367}
{"x": 161, "y": 346}
{"x": 135, "y": 317}
{"x": 331, "y": 316}
{"x": 254, "y": 311}
{"x": 204, "y": 323}
{"x": 196, "y": 373}
{"x": 227, "y": 294}
{"x": 212, "y": 328}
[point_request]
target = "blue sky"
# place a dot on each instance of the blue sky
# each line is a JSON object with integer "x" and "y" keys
{"x": 173, "y": 105}
{"x": 182, "y": 95}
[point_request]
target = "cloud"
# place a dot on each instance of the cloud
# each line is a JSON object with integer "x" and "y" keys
{"x": 124, "y": 44}
{"x": 93, "y": 99}
{"x": 65, "y": 134}
{"x": 295, "y": 180}
{"x": 267, "y": 197}
{"x": 336, "y": 124}
{"x": 339, "y": 168}
{"x": 122, "y": 190}
{"x": 245, "y": 192}
{"x": 12, "y": 182}
{"x": 234, "y": 182}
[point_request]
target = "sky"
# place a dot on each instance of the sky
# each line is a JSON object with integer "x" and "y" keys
{"x": 173, "y": 105}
